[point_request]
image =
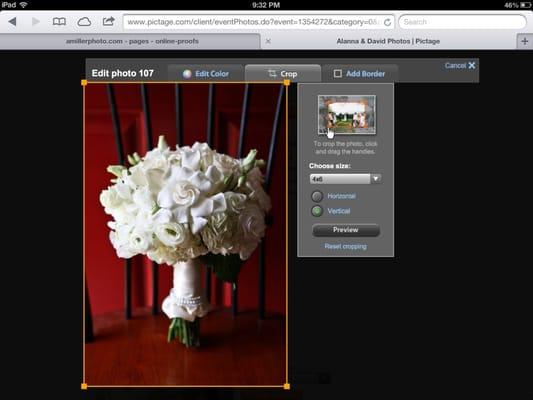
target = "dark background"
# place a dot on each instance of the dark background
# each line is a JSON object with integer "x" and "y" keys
{"x": 450, "y": 316}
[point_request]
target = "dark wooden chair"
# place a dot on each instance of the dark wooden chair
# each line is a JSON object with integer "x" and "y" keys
{"x": 117, "y": 130}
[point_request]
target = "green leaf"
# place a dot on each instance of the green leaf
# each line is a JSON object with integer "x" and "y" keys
{"x": 226, "y": 268}
{"x": 171, "y": 330}
{"x": 116, "y": 170}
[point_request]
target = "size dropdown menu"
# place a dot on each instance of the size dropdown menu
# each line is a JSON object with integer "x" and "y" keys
{"x": 344, "y": 179}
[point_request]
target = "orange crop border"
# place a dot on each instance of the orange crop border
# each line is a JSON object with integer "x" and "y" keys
{"x": 286, "y": 385}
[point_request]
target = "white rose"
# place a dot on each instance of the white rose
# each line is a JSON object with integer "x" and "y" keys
{"x": 252, "y": 222}
{"x": 255, "y": 176}
{"x": 258, "y": 194}
{"x": 254, "y": 188}
{"x": 252, "y": 229}
{"x": 236, "y": 202}
{"x": 226, "y": 165}
{"x": 172, "y": 234}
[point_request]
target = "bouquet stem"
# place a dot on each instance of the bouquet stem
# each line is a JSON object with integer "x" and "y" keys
{"x": 186, "y": 332}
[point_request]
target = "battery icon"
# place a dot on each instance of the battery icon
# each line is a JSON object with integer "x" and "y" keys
{"x": 525, "y": 4}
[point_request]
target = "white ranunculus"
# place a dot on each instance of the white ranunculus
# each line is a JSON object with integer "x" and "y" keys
{"x": 140, "y": 240}
{"x": 172, "y": 234}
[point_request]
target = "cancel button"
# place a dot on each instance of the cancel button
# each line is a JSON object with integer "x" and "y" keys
{"x": 345, "y": 230}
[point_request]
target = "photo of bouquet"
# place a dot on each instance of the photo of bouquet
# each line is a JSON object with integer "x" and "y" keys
{"x": 184, "y": 208}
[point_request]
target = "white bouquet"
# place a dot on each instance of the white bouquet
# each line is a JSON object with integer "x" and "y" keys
{"x": 178, "y": 205}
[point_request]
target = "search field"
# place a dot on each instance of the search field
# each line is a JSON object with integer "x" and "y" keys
{"x": 463, "y": 21}
{"x": 255, "y": 22}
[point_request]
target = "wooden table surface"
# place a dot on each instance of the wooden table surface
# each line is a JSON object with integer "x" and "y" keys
{"x": 234, "y": 351}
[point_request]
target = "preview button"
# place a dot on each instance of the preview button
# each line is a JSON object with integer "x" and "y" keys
{"x": 345, "y": 230}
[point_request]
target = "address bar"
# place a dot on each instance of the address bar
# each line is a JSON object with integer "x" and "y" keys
{"x": 255, "y": 22}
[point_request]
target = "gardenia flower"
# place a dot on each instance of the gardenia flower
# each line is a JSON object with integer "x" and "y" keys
{"x": 190, "y": 196}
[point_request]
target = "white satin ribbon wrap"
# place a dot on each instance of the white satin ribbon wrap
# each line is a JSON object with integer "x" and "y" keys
{"x": 186, "y": 299}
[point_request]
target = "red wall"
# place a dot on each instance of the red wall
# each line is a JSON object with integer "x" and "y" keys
{"x": 104, "y": 270}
